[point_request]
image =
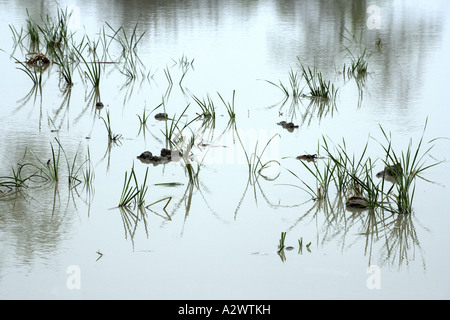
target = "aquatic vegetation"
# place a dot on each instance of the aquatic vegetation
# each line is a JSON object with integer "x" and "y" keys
{"x": 143, "y": 121}
{"x": 294, "y": 89}
{"x": 281, "y": 242}
{"x": 134, "y": 195}
{"x": 322, "y": 179}
{"x": 50, "y": 169}
{"x": 112, "y": 137}
{"x": 18, "y": 37}
{"x": 74, "y": 169}
{"x": 142, "y": 190}
{"x": 359, "y": 56}
{"x": 88, "y": 173}
{"x": 318, "y": 87}
{"x": 129, "y": 192}
{"x": 32, "y": 33}
{"x": 128, "y": 43}
{"x": 66, "y": 66}
{"x": 16, "y": 180}
{"x": 35, "y": 75}
{"x": 254, "y": 160}
{"x": 185, "y": 65}
{"x": 412, "y": 164}
{"x": 55, "y": 33}
{"x": 208, "y": 108}
{"x": 358, "y": 66}
{"x": 354, "y": 175}
{"x": 229, "y": 106}
{"x": 160, "y": 200}
{"x": 93, "y": 67}
{"x": 173, "y": 132}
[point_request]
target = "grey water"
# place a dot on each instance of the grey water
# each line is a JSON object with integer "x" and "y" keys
{"x": 63, "y": 242}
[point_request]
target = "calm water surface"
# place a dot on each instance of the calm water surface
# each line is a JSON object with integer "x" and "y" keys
{"x": 222, "y": 239}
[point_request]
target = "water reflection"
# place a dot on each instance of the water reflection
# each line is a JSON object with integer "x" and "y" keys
{"x": 36, "y": 223}
{"x": 230, "y": 41}
{"x": 389, "y": 239}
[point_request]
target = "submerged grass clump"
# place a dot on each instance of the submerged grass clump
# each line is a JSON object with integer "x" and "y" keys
{"x": 36, "y": 171}
{"x": 208, "y": 109}
{"x": 354, "y": 176}
{"x": 318, "y": 87}
{"x": 359, "y": 56}
{"x": 229, "y": 106}
{"x": 112, "y": 137}
{"x": 412, "y": 164}
{"x": 294, "y": 88}
{"x": 133, "y": 195}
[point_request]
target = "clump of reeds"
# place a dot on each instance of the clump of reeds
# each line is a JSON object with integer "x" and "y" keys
{"x": 143, "y": 121}
{"x": 35, "y": 74}
{"x": 354, "y": 176}
{"x": 66, "y": 66}
{"x": 359, "y": 56}
{"x": 318, "y": 87}
{"x": 16, "y": 180}
{"x": 55, "y": 33}
{"x": 412, "y": 165}
{"x": 229, "y": 106}
{"x": 133, "y": 195}
{"x": 294, "y": 88}
{"x": 174, "y": 129}
{"x": 281, "y": 242}
{"x": 112, "y": 137}
{"x": 185, "y": 64}
{"x": 33, "y": 34}
{"x": 254, "y": 160}
{"x": 208, "y": 109}
{"x": 93, "y": 66}
{"x": 88, "y": 173}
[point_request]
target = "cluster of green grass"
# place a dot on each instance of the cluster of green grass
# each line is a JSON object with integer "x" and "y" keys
{"x": 51, "y": 35}
{"x": 282, "y": 246}
{"x": 359, "y": 56}
{"x": 354, "y": 176}
{"x": 309, "y": 82}
{"x": 112, "y": 137}
{"x": 294, "y": 88}
{"x": 37, "y": 170}
{"x": 318, "y": 87}
{"x": 128, "y": 43}
{"x": 133, "y": 195}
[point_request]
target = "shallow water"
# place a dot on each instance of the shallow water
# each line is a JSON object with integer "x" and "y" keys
{"x": 221, "y": 243}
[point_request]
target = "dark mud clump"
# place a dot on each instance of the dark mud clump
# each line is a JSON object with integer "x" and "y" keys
{"x": 165, "y": 156}
{"x": 307, "y": 157}
{"x": 357, "y": 202}
{"x": 161, "y": 116}
{"x": 391, "y": 171}
{"x": 290, "y": 126}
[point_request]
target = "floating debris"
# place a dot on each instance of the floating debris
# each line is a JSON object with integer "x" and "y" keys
{"x": 38, "y": 60}
{"x": 290, "y": 126}
{"x": 307, "y": 157}
{"x": 391, "y": 171}
{"x": 165, "y": 156}
{"x": 169, "y": 184}
{"x": 357, "y": 202}
{"x": 161, "y": 116}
